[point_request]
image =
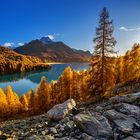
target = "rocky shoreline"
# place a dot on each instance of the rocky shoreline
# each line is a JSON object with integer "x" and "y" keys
{"x": 116, "y": 119}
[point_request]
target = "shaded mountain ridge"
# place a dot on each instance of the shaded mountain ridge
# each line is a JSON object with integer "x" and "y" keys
{"x": 53, "y": 51}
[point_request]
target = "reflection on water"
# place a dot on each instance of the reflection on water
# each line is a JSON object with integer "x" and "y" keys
{"x": 22, "y": 83}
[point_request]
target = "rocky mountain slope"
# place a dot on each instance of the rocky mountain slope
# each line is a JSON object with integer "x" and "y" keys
{"x": 50, "y": 51}
{"x": 116, "y": 119}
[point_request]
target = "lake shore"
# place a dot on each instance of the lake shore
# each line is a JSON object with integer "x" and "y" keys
{"x": 52, "y": 63}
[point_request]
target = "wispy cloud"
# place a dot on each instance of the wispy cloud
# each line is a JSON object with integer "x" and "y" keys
{"x": 20, "y": 44}
{"x": 54, "y": 36}
{"x": 128, "y": 29}
{"x": 8, "y": 44}
{"x": 58, "y": 34}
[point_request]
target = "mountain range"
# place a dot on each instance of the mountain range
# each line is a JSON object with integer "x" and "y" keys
{"x": 50, "y": 51}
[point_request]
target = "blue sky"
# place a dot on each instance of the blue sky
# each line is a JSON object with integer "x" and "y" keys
{"x": 71, "y": 21}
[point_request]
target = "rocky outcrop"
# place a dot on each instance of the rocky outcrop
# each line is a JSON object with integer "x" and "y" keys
{"x": 116, "y": 119}
{"x": 128, "y": 109}
{"x": 97, "y": 125}
{"x": 129, "y": 98}
{"x": 60, "y": 111}
{"x": 128, "y": 87}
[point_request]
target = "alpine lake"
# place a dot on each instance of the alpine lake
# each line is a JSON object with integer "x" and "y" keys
{"x": 22, "y": 83}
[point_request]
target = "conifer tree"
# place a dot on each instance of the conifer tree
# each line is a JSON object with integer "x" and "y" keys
{"x": 3, "y": 104}
{"x": 102, "y": 61}
{"x": 75, "y": 85}
{"x": 14, "y": 105}
{"x": 31, "y": 102}
{"x": 119, "y": 69}
{"x": 60, "y": 89}
{"x": 132, "y": 63}
{"x": 53, "y": 92}
{"x": 24, "y": 102}
{"x": 43, "y": 96}
{"x": 67, "y": 79}
{"x": 84, "y": 75}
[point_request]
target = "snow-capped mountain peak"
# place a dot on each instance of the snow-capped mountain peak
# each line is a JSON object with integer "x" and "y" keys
{"x": 46, "y": 40}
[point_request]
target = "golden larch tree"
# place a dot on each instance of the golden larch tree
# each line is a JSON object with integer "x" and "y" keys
{"x": 14, "y": 105}
{"x": 3, "y": 104}
{"x": 102, "y": 64}
{"x": 43, "y": 96}
{"x": 24, "y": 103}
{"x": 31, "y": 102}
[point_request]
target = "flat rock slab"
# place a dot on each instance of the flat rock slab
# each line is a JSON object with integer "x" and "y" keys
{"x": 113, "y": 115}
{"x": 130, "y": 98}
{"x": 96, "y": 126}
{"x": 120, "y": 119}
{"x": 130, "y": 138}
{"x": 125, "y": 123}
{"x": 128, "y": 109}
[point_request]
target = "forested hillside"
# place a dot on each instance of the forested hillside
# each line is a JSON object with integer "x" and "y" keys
{"x": 128, "y": 66}
{"x": 11, "y": 62}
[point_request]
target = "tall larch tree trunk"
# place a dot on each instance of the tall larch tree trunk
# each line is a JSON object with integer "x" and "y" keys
{"x": 102, "y": 64}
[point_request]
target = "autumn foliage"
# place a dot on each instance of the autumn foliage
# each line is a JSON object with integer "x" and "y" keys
{"x": 71, "y": 84}
{"x": 12, "y": 62}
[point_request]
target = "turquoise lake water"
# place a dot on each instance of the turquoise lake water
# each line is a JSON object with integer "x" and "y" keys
{"x": 23, "y": 83}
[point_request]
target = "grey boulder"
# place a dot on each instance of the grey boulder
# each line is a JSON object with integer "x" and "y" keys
{"x": 128, "y": 109}
{"x": 60, "y": 111}
{"x": 96, "y": 126}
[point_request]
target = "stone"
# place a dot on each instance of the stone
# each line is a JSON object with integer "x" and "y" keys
{"x": 64, "y": 138}
{"x": 77, "y": 131}
{"x": 34, "y": 137}
{"x": 1, "y": 133}
{"x": 87, "y": 137}
{"x": 25, "y": 134}
{"x": 75, "y": 111}
{"x": 53, "y": 130}
{"x": 9, "y": 139}
{"x": 94, "y": 125}
{"x": 113, "y": 115}
{"x": 130, "y": 138}
{"x": 116, "y": 136}
{"x": 52, "y": 123}
{"x": 60, "y": 111}
{"x": 127, "y": 131}
{"x": 3, "y": 137}
{"x": 49, "y": 137}
{"x": 59, "y": 135}
{"x": 67, "y": 128}
{"x": 137, "y": 135}
{"x": 136, "y": 125}
{"x": 129, "y": 98}
{"x": 128, "y": 109}
{"x": 125, "y": 123}
{"x": 72, "y": 134}
{"x": 120, "y": 120}
{"x": 58, "y": 126}
{"x": 99, "y": 108}
{"x": 65, "y": 120}
{"x": 62, "y": 128}
{"x": 45, "y": 132}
